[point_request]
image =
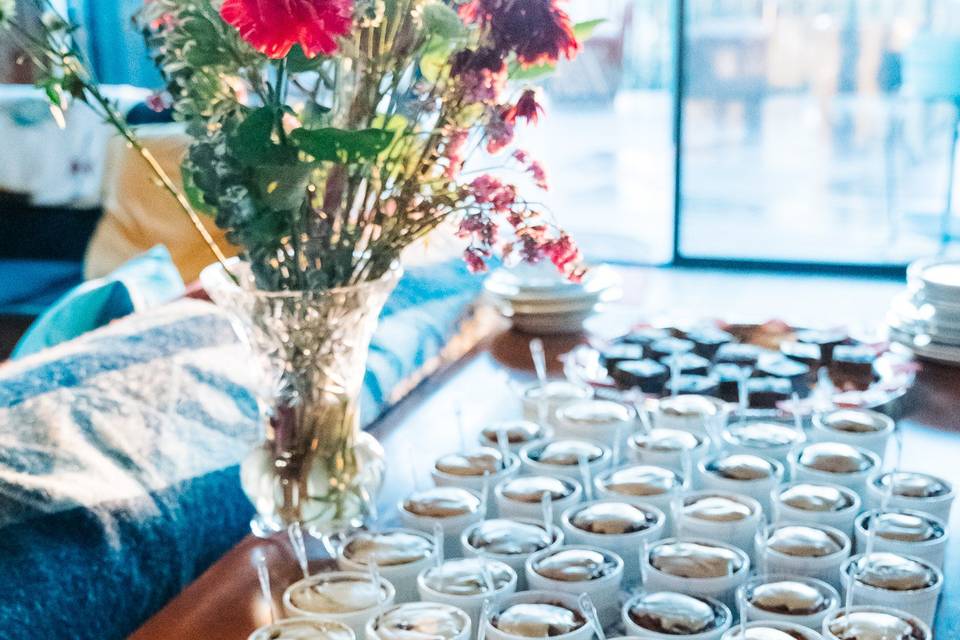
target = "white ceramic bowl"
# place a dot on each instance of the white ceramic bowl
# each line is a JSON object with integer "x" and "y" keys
{"x": 570, "y": 601}
{"x": 536, "y": 467}
{"x": 723, "y": 588}
{"x": 759, "y": 489}
{"x": 825, "y": 429}
{"x": 839, "y": 614}
{"x": 933, "y": 550}
{"x": 841, "y": 519}
{"x": 515, "y": 561}
{"x": 402, "y": 575}
{"x": 319, "y": 629}
{"x": 604, "y": 591}
{"x": 604, "y": 421}
{"x": 355, "y": 619}
{"x": 937, "y": 506}
{"x": 452, "y": 526}
{"x": 856, "y": 480}
{"x": 638, "y": 484}
{"x": 921, "y": 603}
{"x": 801, "y": 632}
{"x": 637, "y": 631}
{"x": 825, "y": 568}
{"x": 412, "y": 608}
{"x": 810, "y": 620}
{"x": 511, "y": 508}
{"x": 519, "y": 434}
{"x": 471, "y": 604}
{"x": 558, "y": 393}
{"x": 739, "y": 533}
{"x": 664, "y": 448}
{"x": 625, "y": 545}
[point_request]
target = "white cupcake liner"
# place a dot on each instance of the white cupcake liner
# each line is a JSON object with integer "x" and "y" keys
{"x": 759, "y": 490}
{"x": 517, "y": 510}
{"x": 604, "y": 592}
{"x": 723, "y": 588}
{"x": 534, "y": 467}
{"x": 370, "y": 632}
{"x": 855, "y": 481}
{"x": 875, "y": 441}
{"x": 356, "y": 620}
{"x": 933, "y": 551}
{"x": 812, "y": 621}
{"x": 517, "y": 562}
{"x": 740, "y": 533}
{"x": 403, "y": 577}
{"x": 842, "y": 520}
{"x": 626, "y": 545}
{"x": 921, "y": 603}
{"x": 920, "y": 624}
{"x": 825, "y": 568}
{"x": 936, "y": 506}
{"x": 672, "y": 460}
{"x": 267, "y": 632}
{"x": 475, "y": 483}
{"x": 636, "y": 631}
{"x": 541, "y": 597}
{"x": 472, "y": 604}
{"x": 452, "y": 527}
{"x": 796, "y": 629}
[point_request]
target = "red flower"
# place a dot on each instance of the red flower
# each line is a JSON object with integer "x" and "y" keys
{"x": 475, "y": 259}
{"x": 272, "y": 27}
{"x": 537, "y": 31}
{"x": 527, "y": 108}
{"x": 498, "y": 132}
{"x": 482, "y": 74}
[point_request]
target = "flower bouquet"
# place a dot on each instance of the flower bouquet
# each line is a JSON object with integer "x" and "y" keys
{"x": 326, "y": 137}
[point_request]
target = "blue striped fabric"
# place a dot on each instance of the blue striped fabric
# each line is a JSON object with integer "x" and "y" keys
{"x": 119, "y": 452}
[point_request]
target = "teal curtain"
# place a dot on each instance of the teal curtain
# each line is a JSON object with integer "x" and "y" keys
{"x": 115, "y": 47}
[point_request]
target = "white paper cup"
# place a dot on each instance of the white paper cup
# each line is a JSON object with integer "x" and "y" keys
{"x": 758, "y": 489}
{"x": 604, "y": 591}
{"x": 452, "y": 526}
{"x": 403, "y": 577}
{"x": 517, "y": 509}
{"x": 531, "y": 431}
{"x": 697, "y": 414}
{"x": 841, "y": 519}
{"x": 475, "y": 483}
{"x": 855, "y": 480}
{"x": 933, "y": 550}
{"x": 802, "y": 632}
{"x": 535, "y": 467}
{"x": 937, "y": 506}
{"x": 606, "y": 489}
{"x": 920, "y": 625}
{"x": 921, "y": 603}
{"x": 652, "y": 449}
{"x": 825, "y": 568}
{"x": 825, "y": 429}
{"x": 320, "y": 629}
{"x": 810, "y": 620}
{"x": 559, "y": 393}
{"x": 356, "y": 620}
{"x": 735, "y": 440}
{"x": 570, "y": 601}
{"x": 515, "y": 561}
{"x": 625, "y": 545}
{"x": 739, "y": 533}
{"x": 471, "y": 604}
{"x": 601, "y": 420}
{"x": 722, "y": 588}
{"x": 636, "y": 631}
{"x": 371, "y": 628}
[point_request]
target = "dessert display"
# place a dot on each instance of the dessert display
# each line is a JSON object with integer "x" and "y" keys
{"x": 304, "y": 629}
{"x": 836, "y": 463}
{"x": 731, "y": 517}
{"x": 814, "y": 551}
{"x": 400, "y": 555}
{"x": 467, "y": 583}
{"x": 893, "y": 580}
{"x": 874, "y": 623}
{"x": 909, "y": 533}
{"x": 509, "y": 541}
{"x": 698, "y": 567}
{"x": 787, "y": 598}
{"x": 578, "y": 569}
{"x": 912, "y": 490}
{"x": 562, "y": 457}
{"x": 817, "y": 504}
{"x": 517, "y": 432}
{"x": 453, "y": 508}
{"x": 647, "y": 375}
{"x": 601, "y": 420}
{"x": 741, "y": 473}
{"x": 349, "y": 597}
{"x": 538, "y": 614}
{"x": 420, "y": 621}
{"x": 858, "y": 427}
{"x": 520, "y": 497}
{"x": 667, "y": 614}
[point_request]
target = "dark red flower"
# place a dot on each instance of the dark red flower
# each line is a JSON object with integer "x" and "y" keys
{"x": 272, "y": 27}
{"x": 527, "y": 108}
{"x": 537, "y": 31}
{"x": 475, "y": 259}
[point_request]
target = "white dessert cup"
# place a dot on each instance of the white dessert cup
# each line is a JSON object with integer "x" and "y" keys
{"x": 804, "y": 632}
{"x": 269, "y": 631}
{"x": 608, "y": 432}
{"x": 356, "y": 620}
{"x": 739, "y": 533}
{"x": 452, "y": 527}
{"x": 933, "y": 551}
{"x": 758, "y": 489}
{"x": 780, "y": 453}
{"x": 517, "y": 562}
{"x": 517, "y": 510}
{"x": 559, "y": 393}
{"x": 811, "y": 620}
{"x": 923, "y": 627}
{"x": 936, "y": 506}
{"x": 636, "y": 631}
{"x": 723, "y": 588}
{"x": 475, "y": 483}
{"x": 470, "y": 604}
{"x": 921, "y": 603}
{"x": 403, "y": 577}
{"x": 709, "y": 422}
{"x": 604, "y": 591}
{"x": 626, "y": 545}
{"x": 371, "y": 633}
{"x": 662, "y": 501}
{"x": 568, "y": 600}
{"x": 875, "y": 441}
{"x": 672, "y": 460}
{"x": 825, "y": 568}
{"x": 842, "y": 519}
{"x": 546, "y": 433}
{"x": 857, "y": 480}
{"x": 535, "y": 467}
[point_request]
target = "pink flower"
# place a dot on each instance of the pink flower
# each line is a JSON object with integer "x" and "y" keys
{"x": 539, "y": 174}
{"x": 272, "y": 27}
{"x": 475, "y": 259}
{"x": 499, "y": 133}
{"x": 527, "y": 108}
{"x": 521, "y": 156}
{"x": 482, "y": 74}
{"x": 481, "y": 228}
{"x": 159, "y": 101}
{"x": 456, "y": 143}
{"x": 485, "y": 187}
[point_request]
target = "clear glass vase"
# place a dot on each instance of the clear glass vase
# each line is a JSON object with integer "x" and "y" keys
{"x": 315, "y": 465}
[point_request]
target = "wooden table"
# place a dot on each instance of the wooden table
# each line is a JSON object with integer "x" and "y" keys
{"x": 224, "y": 603}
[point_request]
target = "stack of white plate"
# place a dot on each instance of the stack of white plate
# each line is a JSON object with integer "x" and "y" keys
{"x": 926, "y": 317}
{"x": 541, "y": 301}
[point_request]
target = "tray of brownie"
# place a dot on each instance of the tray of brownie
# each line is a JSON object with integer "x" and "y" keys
{"x": 764, "y": 369}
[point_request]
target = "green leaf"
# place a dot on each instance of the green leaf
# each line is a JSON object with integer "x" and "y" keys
{"x": 298, "y": 62}
{"x": 193, "y": 192}
{"x": 434, "y": 58}
{"x": 338, "y": 145}
{"x": 584, "y": 30}
{"x": 442, "y": 21}
{"x": 518, "y": 72}
{"x": 252, "y": 144}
